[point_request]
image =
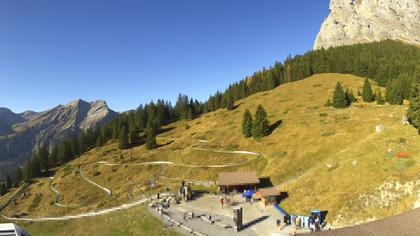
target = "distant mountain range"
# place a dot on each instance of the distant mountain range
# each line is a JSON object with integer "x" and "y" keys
{"x": 22, "y": 133}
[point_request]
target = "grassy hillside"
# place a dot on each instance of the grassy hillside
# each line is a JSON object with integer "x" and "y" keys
{"x": 324, "y": 158}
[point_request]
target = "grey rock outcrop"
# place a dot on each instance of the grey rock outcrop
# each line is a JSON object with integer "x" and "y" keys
{"x": 23, "y": 133}
{"x": 362, "y": 21}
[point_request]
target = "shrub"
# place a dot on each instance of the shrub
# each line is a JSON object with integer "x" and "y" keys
{"x": 96, "y": 173}
{"x": 403, "y": 154}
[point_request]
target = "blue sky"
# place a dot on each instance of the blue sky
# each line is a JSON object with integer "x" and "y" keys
{"x": 129, "y": 52}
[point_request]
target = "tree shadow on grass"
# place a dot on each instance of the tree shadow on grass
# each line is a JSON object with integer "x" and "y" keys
{"x": 165, "y": 144}
{"x": 236, "y": 106}
{"x": 274, "y": 126}
{"x": 164, "y": 130}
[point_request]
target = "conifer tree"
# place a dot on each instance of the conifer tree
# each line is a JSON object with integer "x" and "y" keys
{"x": 123, "y": 138}
{"x": 150, "y": 136}
{"x": 417, "y": 74}
{"x": 379, "y": 98}
{"x": 99, "y": 141}
{"x": 229, "y": 103}
{"x": 54, "y": 156}
{"x": 339, "y": 97}
{"x": 9, "y": 182}
{"x": 65, "y": 153}
{"x": 413, "y": 112}
{"x": 42, "y": 156}
{"x": 134, "y": 137}
{"x": 115, "y": 130}
{"x": 190, "y": 114}
{"x": 350, "y": 96}
{"x": 19, "y": 177}
{"x": 3, "y": 189}
{"x": 260, "y": 126}
{"x": 36, "y": 167}
{"x": 394, "y": 94}
{"x": 367, "y": 93}
{"x": 247, "y": 124}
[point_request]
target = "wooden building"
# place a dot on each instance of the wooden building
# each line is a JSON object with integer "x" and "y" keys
{"x": 269, "y": 196}
{"x": 237, "y": 181}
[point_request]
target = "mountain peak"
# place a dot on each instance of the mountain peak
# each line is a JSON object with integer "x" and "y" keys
{"x": 363, "y": 21}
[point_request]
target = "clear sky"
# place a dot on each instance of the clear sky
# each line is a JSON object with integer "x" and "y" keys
{"x": 129, "y": 52}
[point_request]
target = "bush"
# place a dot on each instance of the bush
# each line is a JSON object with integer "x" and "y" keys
{"x": 403, "y": 154}
{"x": 96, "y": 173}
{"x": 328, "y": 133}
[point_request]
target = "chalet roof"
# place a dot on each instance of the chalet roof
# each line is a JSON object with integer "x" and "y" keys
{"x": 269, "y": 192}
{"x": 237, "y": 178}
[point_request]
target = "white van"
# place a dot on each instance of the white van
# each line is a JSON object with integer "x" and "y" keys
{"x": 10, "y": 229}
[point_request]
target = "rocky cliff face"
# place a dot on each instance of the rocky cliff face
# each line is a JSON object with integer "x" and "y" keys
{"x": 22, "y": 133}
{"x": 361, "y": 21}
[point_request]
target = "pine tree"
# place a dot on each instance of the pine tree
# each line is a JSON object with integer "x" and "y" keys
{"x": 339, "y": 97}
{"x": 367, "y": 93}
{"x": 150, "y": 136}
{"x": 413, "y": 112}
{"x": 115, "y": 130}
{"x": 42, "y": 156}
{"x": 99, "y": 141}
{"x": 19, "y": 177}
{"x": 134, "y": 137}
{"x": 394, "y": 94}
{"x": 3, "y": 189}
{"x": 54, "y": 156}
{"x": 350, "y": 96}
{"x": 64, "y": 154}
{"x": 379, "y": 99}
{"x": 190, "y": 114}
{"x": 123, "y": 138}
{"x": 260, "y": 126}
{"x": 36, "y": 168}
{"x": 417, "y": 74}
{"x": 229, "y": 103}
{"x": 247, "y": 124}
{"x": 9, "y": 182}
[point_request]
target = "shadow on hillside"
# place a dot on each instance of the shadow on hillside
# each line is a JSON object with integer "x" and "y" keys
{"x": 164, "y": 130}
{"x": 274, "y": 126}
{"x": 236, "y": 106}
{"x": 165, "y": 144}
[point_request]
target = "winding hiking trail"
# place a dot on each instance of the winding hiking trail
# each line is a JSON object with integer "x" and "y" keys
{"x": 138, "y": 202}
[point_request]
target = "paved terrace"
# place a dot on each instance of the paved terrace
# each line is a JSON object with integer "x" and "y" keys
{"x": 257, "y": 219}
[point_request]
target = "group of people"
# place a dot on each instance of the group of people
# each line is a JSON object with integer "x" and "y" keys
{"x": 313, "y": 222}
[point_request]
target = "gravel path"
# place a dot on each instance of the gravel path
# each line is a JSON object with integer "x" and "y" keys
{"x": 136, "y": 203}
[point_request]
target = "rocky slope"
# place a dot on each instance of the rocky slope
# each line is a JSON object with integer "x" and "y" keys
{"x": 21, "y": 133}
{"x": 361, "y": 21}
